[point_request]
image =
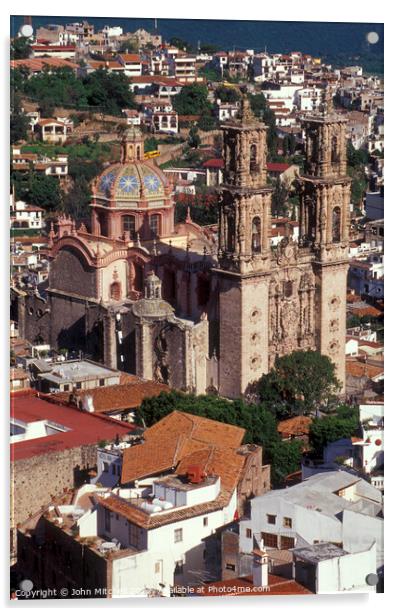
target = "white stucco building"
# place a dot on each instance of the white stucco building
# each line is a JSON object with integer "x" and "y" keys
{"x": 332, "y": 507}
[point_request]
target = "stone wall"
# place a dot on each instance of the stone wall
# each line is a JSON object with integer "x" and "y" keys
{"x": 35, "y": 480}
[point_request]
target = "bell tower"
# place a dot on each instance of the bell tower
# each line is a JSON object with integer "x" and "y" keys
{"x": 243, "y": 254}
{"x": 132, "y": 145}
{"x": 324, "y": 224}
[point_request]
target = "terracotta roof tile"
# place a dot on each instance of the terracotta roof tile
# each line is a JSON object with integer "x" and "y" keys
{"x": 360, "y": 369}
{"x": 277, "y": 585}
{"x": 177, "y": 438}
{"x": 296, "y": 426}
{"x": 130, "y": 393}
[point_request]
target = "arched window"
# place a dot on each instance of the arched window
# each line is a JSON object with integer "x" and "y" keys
{"x": 129, "y": 225}
{"x": 336, "y": 221}
{"x": 155, "y": 225}
{"x": 256, "y": 234}
{"x": 138, "y": 152}
{"x": 115, "y": 291}
{"x": 334, "y": 150}
{"x": 253, "y": 158}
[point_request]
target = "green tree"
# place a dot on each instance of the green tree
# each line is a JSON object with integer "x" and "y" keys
{"x": 326, "y": 430}
{"x": 131, "y": 45}
{"x": 257, "y": 104}
{"x": 44, "y": 191}
{"x": 227, "y": 94}
{"x": 19, "y": 122}
{"x": 300, "y": 383}
{"x": 150, "y": 144}
{"x": 175, "y": 41}
{"x": 192, "y": 100}
{"x": 285, "y": 458}
{"x": 209, "y": 48}
{"x": 194, "y": 138}
{"x": 207, "y": 122}
{"x": 279, "y": 205}
{"x": 21, "y": 48}
{"x": 272, "y": 138}
{"x": 76, "y": 201}
{"x": 111, "y": 91}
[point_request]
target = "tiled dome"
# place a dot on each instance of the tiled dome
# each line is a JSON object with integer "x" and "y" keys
{"x": 131, "y": 181}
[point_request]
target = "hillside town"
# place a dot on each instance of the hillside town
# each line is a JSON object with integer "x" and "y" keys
{"x": 196, "y": 319}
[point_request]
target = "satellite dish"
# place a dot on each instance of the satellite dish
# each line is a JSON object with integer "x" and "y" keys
{"x": 26, "y": 30}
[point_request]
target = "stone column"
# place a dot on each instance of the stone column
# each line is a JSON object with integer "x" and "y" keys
{"x": 110, "y": 343}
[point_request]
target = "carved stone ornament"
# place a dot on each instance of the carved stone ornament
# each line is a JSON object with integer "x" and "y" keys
{"x": 255, "y": 315}
{"x": 334, "y": 325}
{"x": 334, "y": 302}
{"x": 289, "y": 318}
{"x": 287, "y": 252}
{"x": 255, "y": 362}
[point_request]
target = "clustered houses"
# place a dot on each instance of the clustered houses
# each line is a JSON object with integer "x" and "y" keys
{"x": 23, "y": 162}
{"x": 124, "y": 510}
{"x": 145, "y": 536}
{"x": 23, "y": 215}
{"x": 334, "y": 507}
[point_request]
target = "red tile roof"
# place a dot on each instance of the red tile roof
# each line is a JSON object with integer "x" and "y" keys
{"x": 117, "y": 397}
{"x": 130, "y": 57}
{"x": 37, "y": 64}
{"x": 84, "y": 428}
{"x": 181, "y": 434}
{"x": 277, "y": 585}
{"x": 360, "y": 369}
{"x": 295, "y": 426}
{"x": 278, "y": 167}
{"x": 53, "y": 47}
{"x": 369, "y": 311}
{"x": 214, "y": 163}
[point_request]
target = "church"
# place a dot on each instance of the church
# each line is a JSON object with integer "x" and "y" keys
{"x": 171, "y": 302}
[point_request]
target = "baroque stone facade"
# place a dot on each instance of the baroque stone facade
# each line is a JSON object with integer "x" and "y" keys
{"x": 273, "y": 302}
{"x": 158, "y": 299}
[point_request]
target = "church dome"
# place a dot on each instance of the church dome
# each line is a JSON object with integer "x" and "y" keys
{"x": 131, "y": 181}
{"x": 133, "y": 177}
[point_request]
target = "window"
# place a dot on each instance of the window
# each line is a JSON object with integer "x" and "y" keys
{"x": 105, "y": 467}
{"x": 102, "y": 382}
{"x": 253, "y": 158}
{"x": 154, "y": 224}
{"x": 179, "y": 567}
{"x": 157, "y": 567}
{"x": 107, "y": 520}
{"x": 249, "y": 534}
{"x": 129, "y": 225}
{"x": 66, "y": 387}
{"x": 78, "y": 385}
{"x": 336, "y": 222}
{"x": 287, "y": 522}
{"x": 230, "y": 567}
{"x": 256, "y": 235}
{"x": 270, "y": 540}
{"x": 287, "y": 543}
{"x": 205, "y": 521}
{"x": 178, "y": 535}
{"x": 271, "y": 519}
{"x": 134, "y": 534}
